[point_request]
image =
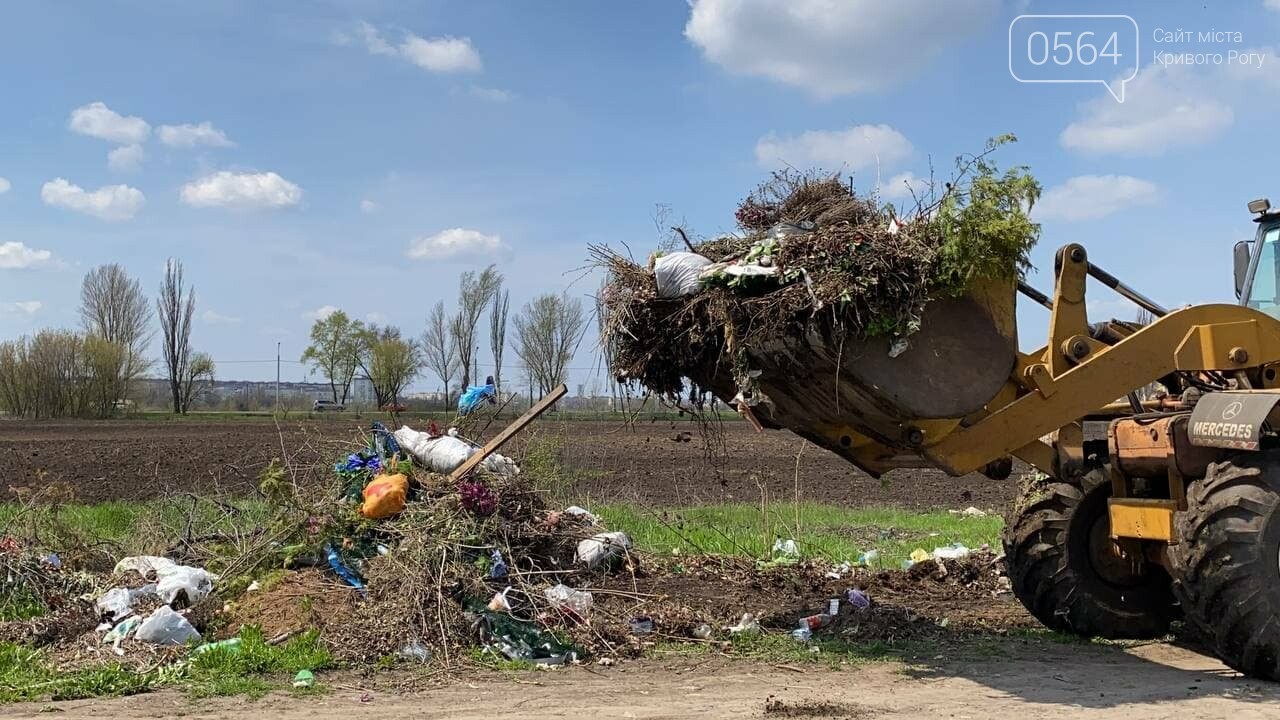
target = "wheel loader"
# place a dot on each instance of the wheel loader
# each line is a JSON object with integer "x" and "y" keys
{"x": 1157, "y": 443}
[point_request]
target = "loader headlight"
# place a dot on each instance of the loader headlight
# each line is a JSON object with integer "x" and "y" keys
{"x": 1260, "y": 205}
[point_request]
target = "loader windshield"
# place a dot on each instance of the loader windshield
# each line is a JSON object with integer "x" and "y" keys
{"x": 1265, "y": 293}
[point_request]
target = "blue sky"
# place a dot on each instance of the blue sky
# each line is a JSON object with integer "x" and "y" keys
{"x": 361, "y": 154}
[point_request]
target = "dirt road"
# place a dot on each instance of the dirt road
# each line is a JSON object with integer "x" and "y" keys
{"x": 601, "y": 461}
{"x": 1065, "y": 681}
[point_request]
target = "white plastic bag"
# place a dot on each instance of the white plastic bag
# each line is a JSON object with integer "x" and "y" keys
{"x": 445, "y": 453}
{"x": 677, "y": 273}
{"x": 951, "y": 552}
{"x": 598, "y": 548}
{"x": 148, "y": 566}
{"x": 119, "y": 601}
{"x": 563, "y": 597}
{"x": 166, "y": 627}
{"x": 197, "y": 583}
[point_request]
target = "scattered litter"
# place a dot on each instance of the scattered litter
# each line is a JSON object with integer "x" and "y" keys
{"x": 839, "y": 571}
{"x": 785, "y": 548}
{"x": 868, "y": 558}
{"x": 563, "y": 597}
{"x": 815, "y": 622}
{"x": 164, "y": 626}
{"x": 858, "y": 599}
{"x": 195, "y": 584}
{"x": 499, "y": 602}
{"x": 919, "y": 555}
{"x": 476, "y": 394}
{"x": 833, "y": 606}
{"x": 415, "y": 651}
{"x": 954, "y": 551}
{"x": 445, "y": 453}
{"x": 702, "y": 632}
{"x": 339, "y": 567}
{"x": 304, "y": 679}
{"x": 802, "y": 634}
{"x": 120, "y": 633}
{"x": 642, "y": 626}
{"x": 585, "y": 515}
{"x": 384, "y": 496}
{"x": 748, "y": 624}
{"x": 253, "y": 586}
{"x": 599, "y": 549}
{"x": 970, "y": 511}
{"x": 118, "y": 602}
{"x": 677, "y": 273}
{"x": 229, "y": 645}
{"x": 497, "y": 566}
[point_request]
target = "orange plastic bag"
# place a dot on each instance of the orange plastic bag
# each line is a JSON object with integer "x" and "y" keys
{"x": 385, "y": 496}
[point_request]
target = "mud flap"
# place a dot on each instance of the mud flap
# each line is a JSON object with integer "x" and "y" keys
{"x": 1231, "y": 419}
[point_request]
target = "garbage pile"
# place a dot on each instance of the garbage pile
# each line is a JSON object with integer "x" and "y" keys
{"x": 812, "y": 257}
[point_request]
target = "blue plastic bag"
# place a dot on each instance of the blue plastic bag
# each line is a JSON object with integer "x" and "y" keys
{"x": 476, "y": 394}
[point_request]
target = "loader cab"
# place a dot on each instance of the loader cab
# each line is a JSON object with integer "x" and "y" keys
{"x": 1257, "y": 262}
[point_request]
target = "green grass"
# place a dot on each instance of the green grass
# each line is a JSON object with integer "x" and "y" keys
{"x": 254, "y": 668}
{"x": 822, "y": 530}
{"x": 26, "y": 675}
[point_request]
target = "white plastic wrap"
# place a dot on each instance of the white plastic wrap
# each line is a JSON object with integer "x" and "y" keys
{"x": 563, "y": 597}
{"x": 445, "y": 453}
{"x": 166, "y": 627}
{"x": 677, "y": 273}
{"x": 599, "y": 548}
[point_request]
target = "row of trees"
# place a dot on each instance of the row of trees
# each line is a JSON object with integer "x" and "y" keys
{"x": 93, "y": 371}
{"x": 548, "y": 330}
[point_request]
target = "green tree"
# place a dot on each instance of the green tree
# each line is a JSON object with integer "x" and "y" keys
{"x": 387, "y": 360}
{"x": 333, "y": 350}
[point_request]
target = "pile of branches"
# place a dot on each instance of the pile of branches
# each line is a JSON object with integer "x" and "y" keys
{"x": 846, "y": 265}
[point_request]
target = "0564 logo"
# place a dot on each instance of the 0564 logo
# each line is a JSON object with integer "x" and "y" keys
{"x": 1099, "y": 49}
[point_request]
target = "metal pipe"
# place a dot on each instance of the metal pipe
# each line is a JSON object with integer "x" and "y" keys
{"x": 1114, "y": 283}
{"x": 1035, "y": 294}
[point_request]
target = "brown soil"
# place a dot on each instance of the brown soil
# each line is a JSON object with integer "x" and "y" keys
{"x": 1016, "y": 680}
{"x": 602, "y": 461}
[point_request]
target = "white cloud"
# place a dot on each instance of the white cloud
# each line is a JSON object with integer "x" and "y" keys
{"x": 241, "y": 190}
{"x": 126, "y": 158}
{"x": 4, "y": 186}
{"x": 444, "y": 54}
{"x": 15, "y": 256}
{"x": 99, "y": 121}
{"x": 187, "y": 135}
{"x": 857, "y": 148}
{"x": 216, "y": 318}
{"x": 320, "y": 313}
{"x": 831, "y": 47}
{"x": 905, "y": 186}
{"x": 369, "y": 207}
{"x": 493, "y": 95}
{"x": 27, "y": 307}
{"x": 1272, "y": 4}
{"x": 457, "y": 244}
{"x": 1089, "y": 197}
{"x": 1169, "y": 105}
{"x": 110, "y": 202}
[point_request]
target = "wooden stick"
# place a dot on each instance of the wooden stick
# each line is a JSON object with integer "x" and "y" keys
{"x": 508, "y": 432}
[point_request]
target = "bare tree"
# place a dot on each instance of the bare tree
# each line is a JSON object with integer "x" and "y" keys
{"x": 175, "y": 306}
{"x": 198, "y": 378}
{"x": 474, "y": 292}
{"x": 114, "y": 309}
{"x": 548, "y": 330}
{"x": 440, "y": 347}
{"x": 498, "y": 332}
{"x": 388, "y": 361}
{"x": 333, "y": 351}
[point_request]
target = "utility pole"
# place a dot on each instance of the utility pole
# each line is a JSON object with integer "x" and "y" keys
{"x": 277, "y": 376}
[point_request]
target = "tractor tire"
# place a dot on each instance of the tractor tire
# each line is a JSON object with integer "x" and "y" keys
{"x": 1061, "y": 567}
{"x": 1228, "y": 561}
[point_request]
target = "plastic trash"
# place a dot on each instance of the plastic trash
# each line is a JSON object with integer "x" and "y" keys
{"x": 195, "y": 583}
{"x": 230, "y": 645}
{"x": 677, "y": 273}
{"x": 815, "y": 622}
{"x": 148, "y": 566}
{"x": 747, "y": 623}
{"x": 858, "y": 599}
{"x": 867, "y": 558}
{"x": 970, "y": 511}
{"x": 702, "y": 632}
{"x": 497, "y": 566}
{"x": 599, "y": 549}
{"x": 803, "y": 634}
{"x": 384, "y": 496}
{"x": 471, "y": 398}
{"x": 339, "y": 567}
{"x": 833, "y": 606}
{"x": 583, "y": 514}
{"x": 919, "y": 555}
{"x": 563, "y": 597}
{"x": 304, "y": 679}
{"x": 52, "y": 560}
{"x": 839, "y": 571}
{"x": 954, "y": 551}
{"x": 642, "y": 625}
{"x": 499, "y": 602}
{"x": 164, "y": 626}
{"x": 415, "y": 651}
{"x": 785, "y": 548}
{"x": 121, "y": 631}
{"x": 444, "y": 453}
